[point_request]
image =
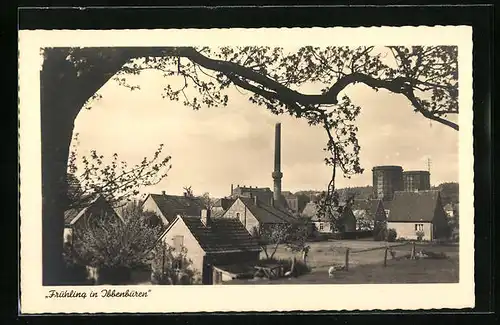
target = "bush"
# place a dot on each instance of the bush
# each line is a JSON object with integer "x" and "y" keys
{"x": 391, "y": 235}
{"x": 420, "y": 235}
{"x": 380, "y": 231}
{"x": 300, "y": 267}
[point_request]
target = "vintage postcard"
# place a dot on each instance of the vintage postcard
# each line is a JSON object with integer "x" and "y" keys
{"x": 302, "y": 169}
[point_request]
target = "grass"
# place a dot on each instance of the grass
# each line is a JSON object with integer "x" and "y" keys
{"x": 366, "y": 264}
{"x": 403, "y": 271}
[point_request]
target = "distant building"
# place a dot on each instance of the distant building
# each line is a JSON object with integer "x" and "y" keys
{"x": 451, "y": 210}
{"x": 346, "y": 220}
{"x": 413, "y": 212}
{"x": 216, "y": 247}
{"x": 367, "y": 212}
{"x": 167, "y": 207}
{"x": 255, "y": 214}
{"x": 386, "y": 181}
{"x": 87, "y": 215}
{"x": 264, "y": 194}
{"x": 416, "y": 180}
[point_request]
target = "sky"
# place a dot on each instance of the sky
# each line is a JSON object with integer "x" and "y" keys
{"x": 215, "y": 147}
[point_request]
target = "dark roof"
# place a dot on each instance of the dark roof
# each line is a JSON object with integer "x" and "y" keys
{"x": 413, "y": 206}
{"x": 72, "y": 213}
{"x": 223, "y": 234}
{"x": 224, "y": 203}
{"x": 370, "y": 206}
{"x": 172, "y": 205}
{"x": 265, "y": 213}
{"x": 311, "y": 211}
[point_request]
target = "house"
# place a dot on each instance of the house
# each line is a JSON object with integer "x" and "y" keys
{"x": 346, "y": 221}
{"x": 264, "y": 194}
{"x": 415, "y": 212}
{"x": 291, "y": 201}
{"x": 255, "y": 214}
{"x": 451, "y": 210}
{"x": 87, "y": 214}
{"x": 218, "y": 248}
{"x": 367, "y": 212}
{"x": 167, "y": 207}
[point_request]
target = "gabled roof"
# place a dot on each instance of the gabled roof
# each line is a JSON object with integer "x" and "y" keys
{"x": 173, "y": 205}
{"x": 370, "y": 206}
{"x": 72, "y": 215}
{"x": 224, "y": 203}
{"x": 265, "y": 213}
{"x": 413, "y": 206}
{"x": 311, "y": 211}
{"x": 224, "y": 234}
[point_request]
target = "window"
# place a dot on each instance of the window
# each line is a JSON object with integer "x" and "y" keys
{"x": 321, "y": 226}
{"x": 178, "y": 242}
{"x": 419, "y": 227}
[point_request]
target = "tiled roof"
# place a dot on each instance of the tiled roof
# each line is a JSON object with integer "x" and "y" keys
{"x": 222, "y": 235}
{"x": 72, "y": 213}
{"x": 370, "y": 206}
{"x": 413, "y": 206}
{"x": 172, "y": 205}
{"x": 267, "y": 214}
{"x": 224, "y": 203}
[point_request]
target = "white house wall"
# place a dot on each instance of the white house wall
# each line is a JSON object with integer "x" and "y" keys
{"x": 194, "y": 250}
{"x": 246, "y": 217}
{"x": 151, "y": 206}
{"x": 407, "y": 229}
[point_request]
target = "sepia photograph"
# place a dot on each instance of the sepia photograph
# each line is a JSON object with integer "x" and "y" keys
{"x": 238, "y": 165}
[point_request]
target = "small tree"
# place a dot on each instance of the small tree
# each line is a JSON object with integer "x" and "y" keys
{"x": 391, "y": 235}
{"x": 420, "y": 235}
{"x": 272, "y": 235}
{"x": 112, "y": 178}
{"x": 380, "y": 230}
{"x": 114, "y": 246}
{"x": 171, "y": 267}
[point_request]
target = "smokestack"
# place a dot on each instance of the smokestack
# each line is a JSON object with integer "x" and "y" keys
{"x": 277, "y": 174}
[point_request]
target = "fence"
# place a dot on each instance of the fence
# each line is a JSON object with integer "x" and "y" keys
{"x": 345, "y": 257}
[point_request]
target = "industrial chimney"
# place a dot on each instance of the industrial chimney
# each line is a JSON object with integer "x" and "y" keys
{"x": 277, "y": 174}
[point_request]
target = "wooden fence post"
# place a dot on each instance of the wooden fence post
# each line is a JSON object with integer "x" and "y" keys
{"x": 385, "y": 256}
{"x": 347, "y": 259}
{"x": 412, "y": 256}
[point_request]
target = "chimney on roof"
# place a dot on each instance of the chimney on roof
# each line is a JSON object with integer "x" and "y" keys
{"x": 163, "y": 193}
{"x": 255, "y": 200}
{"x": 206, "y": 218}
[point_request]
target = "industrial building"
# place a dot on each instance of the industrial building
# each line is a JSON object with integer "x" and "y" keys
{"x": 386, "y": 181}
{"x": 416, "y": 180}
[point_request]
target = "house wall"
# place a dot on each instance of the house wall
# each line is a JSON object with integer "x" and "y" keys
{"x": 194, "y": 250}
{"x": 327, "y": 227}
{"x": 227, "y": 259}
{"x": 407, "y": 229}
{"x": 68, "y": 232}
{"x": 245, "y": 216}
{"x": 150, "y": 205}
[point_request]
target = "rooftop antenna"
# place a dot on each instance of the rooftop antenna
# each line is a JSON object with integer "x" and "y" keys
{"x": 429, "y": 165}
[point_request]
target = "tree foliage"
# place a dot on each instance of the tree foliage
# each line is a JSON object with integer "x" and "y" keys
{"x": 117, "y": 182}
{"x": 171, "y": 267}
{"x": 272, "y": 77}
{"x": 111, "y": 243}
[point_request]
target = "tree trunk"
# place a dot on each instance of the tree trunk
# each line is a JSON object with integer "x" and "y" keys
{"x": 59, "y": 108}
